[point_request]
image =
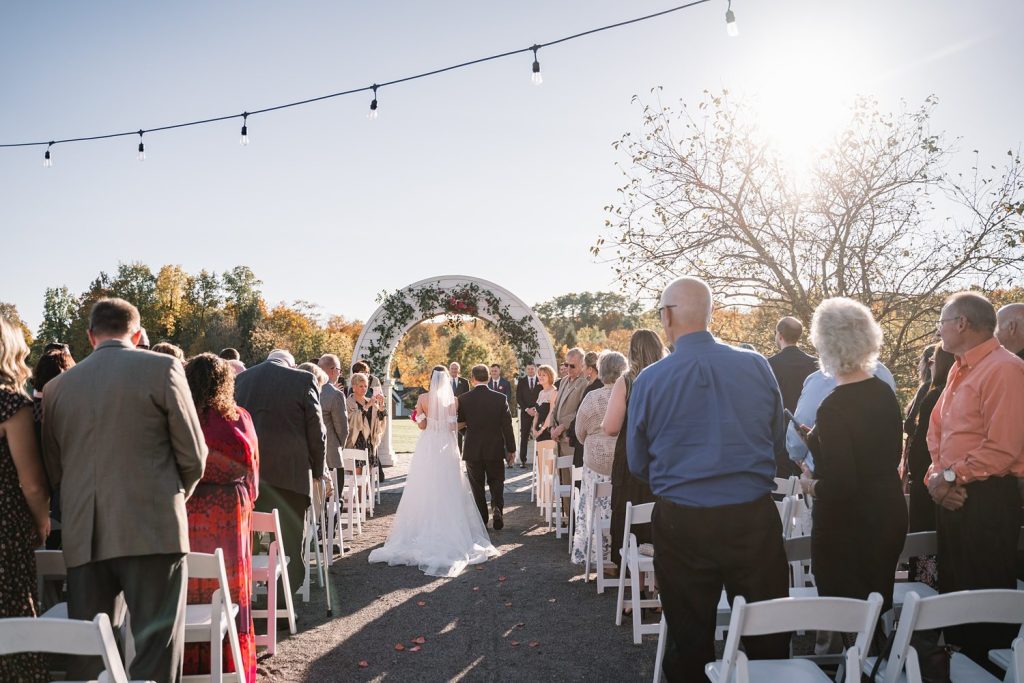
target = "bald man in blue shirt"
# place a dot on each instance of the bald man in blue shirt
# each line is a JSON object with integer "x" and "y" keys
{"x": 705, "y": 428}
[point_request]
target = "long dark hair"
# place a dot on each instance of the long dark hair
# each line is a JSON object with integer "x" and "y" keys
{"x": 212, "y": 382}
{"x": 943, "y": 363}
{"x": 645, "y": 348}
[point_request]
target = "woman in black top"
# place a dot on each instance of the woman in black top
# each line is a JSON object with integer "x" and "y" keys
{"x": 860, "y": 516}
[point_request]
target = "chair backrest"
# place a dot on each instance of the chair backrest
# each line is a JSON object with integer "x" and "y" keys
{"x": 603, "y": 490}
{"x": 918, "y": 544}
{"x": 798, "y": 548}
{"x": 50, "y": 564}
{"x": 349, "y": 457}
{"x": 577, "y": 474}
{"x": 785, "y": 486}
{"x": 65, "y": 636}
{"x": 1001, "y": 606}
{"x": 546, "y": 446}
{"x": 785, "y": 508}
{"x": 795, "y": 614}
{"x": 638, "y": 514}
{"x": 267, "y": 522}
{"x": 563, "y": 462}
{"x": 206, "y": 565}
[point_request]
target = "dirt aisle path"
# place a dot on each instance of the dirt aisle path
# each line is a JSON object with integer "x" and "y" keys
{"x": 531, "y": 595}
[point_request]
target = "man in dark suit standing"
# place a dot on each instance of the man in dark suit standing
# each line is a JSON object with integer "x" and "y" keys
{"x": 499, "y": 383}
{"x": 527, "y": 390}
{"x": 489, "y": 441}
{"x": 791, "y": 366}
{"x": 459, "y": 387}
{"x": 285, "y": 406}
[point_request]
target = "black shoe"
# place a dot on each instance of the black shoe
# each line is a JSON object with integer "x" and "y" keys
{"x": 499, "y": 523}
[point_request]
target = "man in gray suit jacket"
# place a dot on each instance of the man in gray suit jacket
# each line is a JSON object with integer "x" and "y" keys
{"x": 122, "y": 441}
{"x": 332, "y": 403}
{"x": 285, "y": 406}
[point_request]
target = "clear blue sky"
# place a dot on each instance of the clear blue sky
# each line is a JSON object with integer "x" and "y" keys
{"x": 475, "y": 171}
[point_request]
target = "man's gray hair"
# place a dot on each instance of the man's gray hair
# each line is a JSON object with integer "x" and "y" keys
{"x": 329, "y": 360}
{"x": 610, "y": 366}
{"x": 282, "y": 354}
{"x": 975, "y": 309}
{"x": 846, "y": 336}
{"x": 576, "y": 351}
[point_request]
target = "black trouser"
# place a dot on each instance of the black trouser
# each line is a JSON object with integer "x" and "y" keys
{"x": 491, "y": 472}
{"x": 697, "y": 551}
{"x": 978, "y": 549}
{"x": 291, "y": 507}
{"x": 154, "y": 590}
{"x": 525, "y": 425}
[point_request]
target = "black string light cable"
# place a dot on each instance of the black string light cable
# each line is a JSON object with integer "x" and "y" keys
{"x": 535, "y": 77}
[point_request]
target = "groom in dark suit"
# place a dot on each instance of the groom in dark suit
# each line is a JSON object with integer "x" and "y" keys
{"x": 490, "y": 442}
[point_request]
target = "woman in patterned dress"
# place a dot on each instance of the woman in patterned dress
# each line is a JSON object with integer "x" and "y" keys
{"x": 220, "y": 510}
{"x": 24, "y": 501}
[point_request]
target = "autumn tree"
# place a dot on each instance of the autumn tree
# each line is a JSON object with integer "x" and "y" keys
{"x": 10, "y": 312}
{"x": 564, "y": 316}
{"x": 879, "y": 218}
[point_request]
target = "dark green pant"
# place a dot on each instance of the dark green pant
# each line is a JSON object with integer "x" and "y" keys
{"x": 291, "y": 508}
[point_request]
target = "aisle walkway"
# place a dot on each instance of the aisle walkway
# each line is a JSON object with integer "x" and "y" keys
{"x": 531, "y": 594}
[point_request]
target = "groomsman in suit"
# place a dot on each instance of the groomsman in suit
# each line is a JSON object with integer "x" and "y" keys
{"x": 459, "y": 386}
{"x": 499, "y": 383}
{"x": 123, "y": 442}
{"x": 527, "y": 390}
{"x": 791, "y": 366}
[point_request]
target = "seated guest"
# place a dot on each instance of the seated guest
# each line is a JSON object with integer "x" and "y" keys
{"x": 860, "y": 516}
{"x": 645, "y": 348}
{"x": 790, "y": 367}
{"x": 230, "y": 354}
{"x": 52, "y": 363}
{"x": 367, "y": 418}
{"x": 598, "y": 453}
{"x": 220, "y": 510}
{"x": 24, "y": 501}
{"x": 169, "y": 349}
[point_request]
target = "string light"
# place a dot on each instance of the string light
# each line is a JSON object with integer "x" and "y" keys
{"x": 536, "y": 78}
{"x": 731, "y": 29}
{"x": 372, "y": 115}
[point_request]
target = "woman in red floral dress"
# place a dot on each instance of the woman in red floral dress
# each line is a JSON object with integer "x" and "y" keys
{"x": 220, "y": 510}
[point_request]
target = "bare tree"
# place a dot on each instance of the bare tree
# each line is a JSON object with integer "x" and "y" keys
{"x": 707, "y": 195}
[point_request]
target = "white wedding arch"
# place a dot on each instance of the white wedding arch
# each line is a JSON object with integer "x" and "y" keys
{"x": 455, "y": 296}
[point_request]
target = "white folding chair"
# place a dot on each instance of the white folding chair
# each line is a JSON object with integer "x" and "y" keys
{"x": 640, "y": 570}
{"x": 311, "y": 546}
{"x": 786, "y": 508}
{"x": 353, "y": 495}
{"x": 951, "y": 609}
{"x": 50, "y": 567}
{"x": 917, "y": 544}
{"x": 597, "y": 528}
{"x": 335, "y": 528}
{"x": 362, "y": 483}
{"x": 212, "y": 622}
{"x": 574, "y": 503}
{"x": 545, "y": 463}
{"x": 560, "y": 492}
{"x": 269, "y": 569}
{"x": 786, "y": 486}
{"x": 793, "y": 614}
{"x": 659, "y": 656}
{"x": 65, "y": 636}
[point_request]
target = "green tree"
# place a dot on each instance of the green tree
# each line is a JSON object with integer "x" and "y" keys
{"x": 172, "y": 304}
{"x": 136, "y": 284}
{"x": 59, "y": 310}
{"x": 243, "y": 297}
{"x": 565, "y": 315}
{"x": 98, "y": 289}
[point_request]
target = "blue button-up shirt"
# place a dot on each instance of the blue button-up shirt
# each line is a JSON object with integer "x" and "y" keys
{"x": 705, "y": 424}
{"x": 817, "y": 386}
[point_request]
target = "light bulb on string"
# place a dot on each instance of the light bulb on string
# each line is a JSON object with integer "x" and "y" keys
{"x": 142, "y": 147}
{"x": 245, "y": 130}
{"x": 730, "y": 22}
{"x": 47, "y": 161}
{"x": 536, "y": 77}
{"x": 372, "y": 115}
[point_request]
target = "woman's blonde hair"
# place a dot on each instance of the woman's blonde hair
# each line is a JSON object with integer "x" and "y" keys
{"x": 549, "y": 371}
{"x": 358, "y": 377}
{"x": 13, "y": 352}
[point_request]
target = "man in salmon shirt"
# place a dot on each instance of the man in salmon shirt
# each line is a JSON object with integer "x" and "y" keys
{"x": 976, "y": 440}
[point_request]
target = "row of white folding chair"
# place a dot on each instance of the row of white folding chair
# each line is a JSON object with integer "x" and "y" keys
{"x": 794, "y": 614}
{"x": 65, "y": 636}
{"x": 544, "y": 480}
{"x": 598, "y": 527}
{"x": 574, "y": 503}
{"x": 268, "y": 569}
{"x": 786, "y": 486}
{"x": 638, "y": 569}
{"x": 211, "y": 623}
{"x": 314, "y": 543}
{"x": 560, "y": 493}
{"x": 954, "y": 609}
{"x": 357, "y": 481}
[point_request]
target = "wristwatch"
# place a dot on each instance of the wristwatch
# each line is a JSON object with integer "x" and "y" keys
{"x": 949, "y": 475}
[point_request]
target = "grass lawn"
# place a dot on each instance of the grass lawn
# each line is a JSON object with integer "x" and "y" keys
{"x": 404, "y": 434}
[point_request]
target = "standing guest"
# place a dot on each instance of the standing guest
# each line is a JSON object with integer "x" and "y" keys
{"x": 645, "y": 348}
{"x": 1010, "y": 328}
{"x": 284, "y": 403}
{"x": 527, "y": 390}
{"x": 594, "y": 383}
{"x": 563, "y": 368}
{"x": 230, "y": 354}
{"x": 705, "y": 427}
{"x": 922, "y": 507}
{"x": 320, "y": 375}
{"x": 373, "y": 391}
{"x": 335, "y": 412}
{"x": 122, "y": 440}
{"x": 598, "y": 452}
{"x": 143, "y": 342}
{"x": 976, "y": 443}
{"x": 220, "y": 510}
{"x": 791, "y": 366}
{"x": 459, "y": 386}
{"x": 545, "y": 399}
{"x": 860, "y": 516}
{"x": 169, "y": 349}
{"x": 374, "y": 387}
{"x": 24, "y": 502}
{"x": 52, "y": 363}
{"x": 367, "y": 418}
{"x": 499, "y": 383}
{"x": 563, "y": 412}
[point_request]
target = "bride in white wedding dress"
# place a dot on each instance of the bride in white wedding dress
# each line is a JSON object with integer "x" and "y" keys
{"x": 437, "y": 527}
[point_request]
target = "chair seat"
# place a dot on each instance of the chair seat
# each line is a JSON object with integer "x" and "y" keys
{"x": 961, "y": 668}
{"x": 261, "y": 566}
{"x": 198, "y": 622}
{"x": 900, "y": 590}
{"x": 788, "y": 670}
{"x": 645, "y": 563}
{"x": 1000, "y": 658}
{"x": 58, "y": 611}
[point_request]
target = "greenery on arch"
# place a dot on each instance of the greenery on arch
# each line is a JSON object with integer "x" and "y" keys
{"x": 405, "y": 306}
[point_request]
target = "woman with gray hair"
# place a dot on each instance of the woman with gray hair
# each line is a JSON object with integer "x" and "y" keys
{"x": 598, "y": 453}
{"x": 860, "y": 517}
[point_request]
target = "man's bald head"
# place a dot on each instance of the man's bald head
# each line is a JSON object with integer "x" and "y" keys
{"x": 685, "y": 307}
{"x": 1010, "y": 327}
